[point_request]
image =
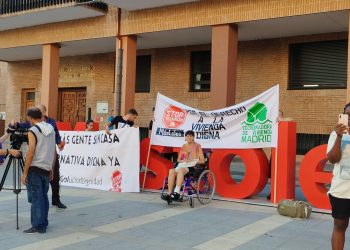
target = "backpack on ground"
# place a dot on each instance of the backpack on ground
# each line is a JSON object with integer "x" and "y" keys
{"x": 294, "y": 209}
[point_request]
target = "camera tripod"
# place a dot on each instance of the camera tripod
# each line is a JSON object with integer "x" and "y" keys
{"x": 17, "y": 164}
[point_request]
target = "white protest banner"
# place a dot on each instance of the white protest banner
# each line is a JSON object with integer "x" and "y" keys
{"x": 250, "y": 124}
{"x": 100, "y": 161}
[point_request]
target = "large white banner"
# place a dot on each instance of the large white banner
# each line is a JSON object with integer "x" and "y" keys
{"x": 101, "y": 161}
{"x": 250, "y": 124}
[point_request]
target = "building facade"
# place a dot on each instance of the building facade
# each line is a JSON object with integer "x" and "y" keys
{"x": 76, "y": 56}
{"x": 3, "y": 86}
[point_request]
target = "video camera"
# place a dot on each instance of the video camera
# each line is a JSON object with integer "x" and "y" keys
{"x": 17, "y": 136}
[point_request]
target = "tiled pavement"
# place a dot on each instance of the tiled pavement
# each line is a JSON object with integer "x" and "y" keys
{"x": 105, "y": 220}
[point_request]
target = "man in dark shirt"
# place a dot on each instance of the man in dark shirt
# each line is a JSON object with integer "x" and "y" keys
{"x": 55, "y": 182}
{"x": 123, "y": 121}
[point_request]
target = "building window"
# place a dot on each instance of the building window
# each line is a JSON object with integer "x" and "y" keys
{"x": 27, "y": 101}
{"x": 318, "y": 65}
{"x": 306, "y": 142}
{"x": 143, "y": 74}
{"x": 200, "y": 71}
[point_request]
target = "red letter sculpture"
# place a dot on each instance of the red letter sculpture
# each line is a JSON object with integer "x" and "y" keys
{"x": 255, "y": 179}
{"x": 313, "y": 179}
{"x": 158, "y": 167}
{"x": 283, "y": 178}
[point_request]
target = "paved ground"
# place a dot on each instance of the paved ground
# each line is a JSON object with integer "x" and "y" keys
{"x": 105, "y": 220}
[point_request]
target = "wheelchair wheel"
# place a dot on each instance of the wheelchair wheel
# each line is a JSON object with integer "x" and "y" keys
{"x": 206, "y": 187}
{"x": 191, "y": 201}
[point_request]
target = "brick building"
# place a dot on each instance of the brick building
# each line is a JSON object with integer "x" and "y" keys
{"x": 76, "y": 55}
{"x": 3, "y": 85}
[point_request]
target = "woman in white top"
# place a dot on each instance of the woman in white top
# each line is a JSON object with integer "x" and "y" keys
{"x": 338, "y": 152}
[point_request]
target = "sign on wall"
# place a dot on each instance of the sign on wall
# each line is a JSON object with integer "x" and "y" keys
{"x": 102, "y": 107}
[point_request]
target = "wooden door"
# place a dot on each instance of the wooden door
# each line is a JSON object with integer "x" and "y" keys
{"x": 81, "y": 106}
{"x": 28, "y": 101}
{"x": 72, "y": 105}
{"x": 2, "y": 127}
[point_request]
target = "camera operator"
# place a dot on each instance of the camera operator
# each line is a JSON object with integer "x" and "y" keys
{"x": 39, "y": 162}
{"x": 55, "y": 182}
{"x": 12, "y": 152}
{"x": 5, "y": 152}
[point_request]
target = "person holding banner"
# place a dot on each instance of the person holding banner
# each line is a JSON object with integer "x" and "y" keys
{"x": 189, "y": 156}
{"x": 123, "y": 121}
{"x": 89, "y": 125}
{"x": 110, "y": 118}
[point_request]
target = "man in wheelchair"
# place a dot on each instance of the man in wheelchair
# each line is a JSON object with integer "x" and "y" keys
{"x": 190, "y": 156}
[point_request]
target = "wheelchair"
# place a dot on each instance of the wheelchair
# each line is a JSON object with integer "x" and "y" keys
{"x": 199, "y": 184}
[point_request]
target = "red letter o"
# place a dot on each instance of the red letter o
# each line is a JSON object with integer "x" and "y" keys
{"x": 254, "y": 180}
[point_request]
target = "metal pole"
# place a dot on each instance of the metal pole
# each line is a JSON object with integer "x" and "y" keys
{"x": 146, "y": 167}
{"x": 89, "y": 113}
{"x": 15, "y": 187}
{"x": 119, "y": 66}
{"x": 118, "y": 82}
{"x": 17, "y": 211}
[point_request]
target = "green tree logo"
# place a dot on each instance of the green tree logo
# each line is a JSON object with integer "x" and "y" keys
{"x": 257, "y": 114}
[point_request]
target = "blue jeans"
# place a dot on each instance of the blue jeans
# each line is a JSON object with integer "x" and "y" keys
{"x": 37, "y": 188}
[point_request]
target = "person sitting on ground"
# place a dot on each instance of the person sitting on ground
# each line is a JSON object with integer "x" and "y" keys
{"x": 123, "y": 121}
{"x": 189, "y": 156}
{"x": 89, "y": 125}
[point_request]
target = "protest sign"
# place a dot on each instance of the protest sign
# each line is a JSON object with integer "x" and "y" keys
{"x": 101, "y": 161}
{"x": 250, "y": 124}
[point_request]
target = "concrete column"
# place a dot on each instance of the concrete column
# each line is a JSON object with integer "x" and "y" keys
{"x": 129, "y": 46}
{"x": 223, "y": 65}
{"x": 49, "y": 87}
